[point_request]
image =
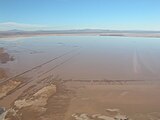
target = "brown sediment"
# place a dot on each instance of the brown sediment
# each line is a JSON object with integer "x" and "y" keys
{"x": 48, "y": 101}
{"x": 3, "y": 73}
{"x": 59, "y": 103}
{"x": 32, "y": 103}
{"x": 5, "y": 57}
{"x": 55, "y": 99}
{"x": 136, "y": 101}
{"x": 8, "y": 87}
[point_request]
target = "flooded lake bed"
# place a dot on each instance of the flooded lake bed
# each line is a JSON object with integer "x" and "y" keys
{"x": 94, "y": 57}
{"x": 92, "y": 77}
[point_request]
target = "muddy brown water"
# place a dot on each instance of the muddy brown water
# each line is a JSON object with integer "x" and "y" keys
{"x": 100, "y": 57}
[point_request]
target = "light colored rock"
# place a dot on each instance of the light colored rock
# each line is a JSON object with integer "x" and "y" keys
{"x": 2, "y": 116}
{"x": 121, "y": 117}
{"x": 39, "y": 99}
{"x": 98, "y": 117}
{"x": 112, "y": 110}
{"x": 81, "y": 117}
{"x": 103, "y": 117}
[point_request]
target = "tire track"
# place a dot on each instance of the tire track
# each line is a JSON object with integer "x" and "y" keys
{"x": 58, "y": 65}
{"x": 67, "y": 53}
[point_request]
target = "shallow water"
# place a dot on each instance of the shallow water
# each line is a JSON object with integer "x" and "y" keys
{"x": 86, "y": 57}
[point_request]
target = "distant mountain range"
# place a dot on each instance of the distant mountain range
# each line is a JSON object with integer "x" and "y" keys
{"x": 85, "y": 30}
{"x": 100, "y": 32}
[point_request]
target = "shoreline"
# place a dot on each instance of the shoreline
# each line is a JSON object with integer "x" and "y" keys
{"x": 146, "y": 35}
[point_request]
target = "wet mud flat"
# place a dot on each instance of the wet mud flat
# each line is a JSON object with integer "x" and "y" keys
{"x": 4, "y": 56}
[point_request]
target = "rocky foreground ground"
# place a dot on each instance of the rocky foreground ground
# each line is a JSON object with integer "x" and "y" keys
{"x": 54, "y": 99}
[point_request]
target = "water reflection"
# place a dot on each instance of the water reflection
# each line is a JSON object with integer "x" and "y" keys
{"x": 100, "y": 57}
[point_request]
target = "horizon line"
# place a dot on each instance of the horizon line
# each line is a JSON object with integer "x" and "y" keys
{"x": 81, "y": 29}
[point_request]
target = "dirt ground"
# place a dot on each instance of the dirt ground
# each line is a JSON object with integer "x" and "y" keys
{"x": 137, "y": 101}
{"x": 54, "y": 99}
{"x": 3, "y": 73}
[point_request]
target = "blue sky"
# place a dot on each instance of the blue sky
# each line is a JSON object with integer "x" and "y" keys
{"x": 80, "y": 14}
